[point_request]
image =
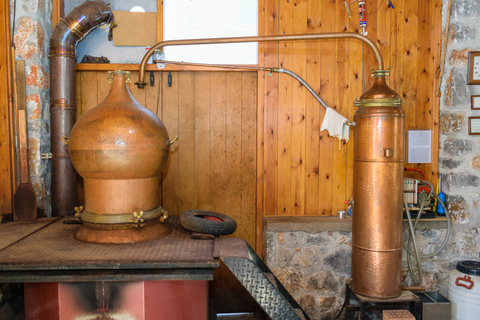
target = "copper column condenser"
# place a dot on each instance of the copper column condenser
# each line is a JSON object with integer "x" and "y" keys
{"x": 378, "y": 192}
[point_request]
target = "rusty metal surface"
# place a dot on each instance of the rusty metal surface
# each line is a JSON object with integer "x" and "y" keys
{"x": 12, "y": 232}
{"x": 67, "y": 33}
{"x": 55, "y": 248}
{"x": 378, "y": 197}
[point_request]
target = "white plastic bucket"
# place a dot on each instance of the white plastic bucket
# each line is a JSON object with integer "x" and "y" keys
{"x": 464, "y": 290}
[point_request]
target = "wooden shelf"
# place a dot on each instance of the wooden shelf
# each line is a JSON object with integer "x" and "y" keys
{"x": 149, "y": 67}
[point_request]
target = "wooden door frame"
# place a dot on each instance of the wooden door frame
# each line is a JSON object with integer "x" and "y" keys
{"x": 7, "y": 135}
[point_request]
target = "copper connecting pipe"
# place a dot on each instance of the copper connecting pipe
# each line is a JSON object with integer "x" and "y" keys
{"x": 296, "y": 37}
{"x": 66, "y": 35}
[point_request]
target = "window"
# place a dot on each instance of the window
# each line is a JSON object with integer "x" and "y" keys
{"x": 195, "y": 19}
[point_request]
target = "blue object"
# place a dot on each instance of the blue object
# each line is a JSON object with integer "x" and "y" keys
{"x": 391, "y": 4}
{"x": 440, "y": 210}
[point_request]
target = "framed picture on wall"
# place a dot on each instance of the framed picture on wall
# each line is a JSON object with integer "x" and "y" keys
{"x": 473, "y": 67}
{"x": 474, "y": 125}
{"x": 476, "y": 102}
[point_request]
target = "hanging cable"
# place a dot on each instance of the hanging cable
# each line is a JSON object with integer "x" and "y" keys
{"x": 259, "y": 68}
{"x": 412, "y": 238}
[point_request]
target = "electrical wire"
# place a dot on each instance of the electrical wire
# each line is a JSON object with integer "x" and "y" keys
{"x": 412, "y": 239}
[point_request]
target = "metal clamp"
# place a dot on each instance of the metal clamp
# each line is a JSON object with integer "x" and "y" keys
{"x": 78, "y": 212}
{"x": 112, "y": 73}
{"x": 65, "y": 140}
{"x": 380, "y": 72}
{"x": 46, "y": 156}
{"x": 139, "y": 221}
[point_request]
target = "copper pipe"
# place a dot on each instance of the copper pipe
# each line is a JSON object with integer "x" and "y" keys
{"x": 65, "y": 37}
{"x": 296, "y": 37}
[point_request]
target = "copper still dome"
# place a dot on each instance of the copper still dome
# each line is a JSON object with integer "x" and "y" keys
{"x": 120, "y": 149}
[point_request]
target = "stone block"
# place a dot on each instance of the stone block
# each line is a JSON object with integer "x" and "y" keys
{"x": 460, "y": 32}
{"x": 309, "y": 304}
{"x": 37, "y": 77}
{"x": 460, "y": 180}
{"x": 340, "y": 261}
{"x": 29, "y": 37}
{"x": 33, "y": 155}
{"x": 449, "y": 163}
{"x": 457, "y": 94}
{"x": 33, "y": 106}
{"x": 291, "y": 278}
{"x": 459, "y": 57}
{"x": 306, "y": 257}
{"x": 476, "y": 163}
{"x": 322, "y": 282}
{"x": 456, "y": 147}
{"x": 465, "y": 8}
{"x": 458, "y": 208}
{"x": 31, "y": 6}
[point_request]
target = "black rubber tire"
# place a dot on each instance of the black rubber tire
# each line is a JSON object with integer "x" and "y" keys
{"x": 193, "y": 220}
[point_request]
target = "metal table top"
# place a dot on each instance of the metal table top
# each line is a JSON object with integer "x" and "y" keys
{"x": 49, "y": 251}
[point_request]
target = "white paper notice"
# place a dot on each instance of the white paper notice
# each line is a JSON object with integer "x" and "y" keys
{"x": 419, "y": 146}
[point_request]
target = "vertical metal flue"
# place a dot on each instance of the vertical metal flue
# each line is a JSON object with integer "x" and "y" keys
{"x": 66, "y": 35}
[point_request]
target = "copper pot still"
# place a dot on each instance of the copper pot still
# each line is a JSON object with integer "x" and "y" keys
{"x": 379, "y": 149}
{"x": 120, "y": 149}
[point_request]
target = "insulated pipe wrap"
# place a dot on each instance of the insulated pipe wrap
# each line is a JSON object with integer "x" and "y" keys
{"x": 65, "y": 37}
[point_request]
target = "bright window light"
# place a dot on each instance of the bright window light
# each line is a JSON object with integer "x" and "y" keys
{"x": 137, "y": 9}
{"x": 196, "y": 19}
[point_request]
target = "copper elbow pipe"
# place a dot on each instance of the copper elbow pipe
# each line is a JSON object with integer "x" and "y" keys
{"x": 296, "y": 37}
{"x": 65, "y": 37}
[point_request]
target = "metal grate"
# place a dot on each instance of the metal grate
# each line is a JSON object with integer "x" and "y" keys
{"x": 55, "y": 247}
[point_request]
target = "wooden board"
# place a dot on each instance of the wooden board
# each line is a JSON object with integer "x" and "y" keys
{"x": 135, "y": 28}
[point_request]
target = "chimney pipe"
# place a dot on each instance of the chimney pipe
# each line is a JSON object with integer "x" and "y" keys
{"x": 65, "y": 37}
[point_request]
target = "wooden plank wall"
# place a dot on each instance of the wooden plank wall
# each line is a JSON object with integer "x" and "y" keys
{"x": 212, "y": 166}
{"x": 299, "y": 170}
{"x": 302, "y": 170}
{"x": 7, "y": 167}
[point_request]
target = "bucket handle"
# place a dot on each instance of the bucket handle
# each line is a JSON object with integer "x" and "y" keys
{"x": 466, "y": 279}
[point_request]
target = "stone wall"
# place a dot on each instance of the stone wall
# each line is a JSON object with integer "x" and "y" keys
{"x": 31, "y": 38}
{"x": 315, "y": 265}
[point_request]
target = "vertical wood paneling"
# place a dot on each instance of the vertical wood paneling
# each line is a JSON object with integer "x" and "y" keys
{"x": 410, "y": 62}
{"x": 248, "y": 154}
{"x": 202, "y": 140}
{"x": 89, "y": 92}
{"x": 300, "y": 17}
{"x": 270, "y": 167}
{"x": 285, "y": 84}
{"x": 337, "y": 69}
{"x": 7, "y": 163}
{"x": 218, "y": 178}
{"x": 312, "y": 113}
{"x": 186, "y": 142}
{"x": 423, "y": 117}
{"x": 327, "y": 92}
{"x": 233, "y": 149}
{"x": 170, "y": 117}
{"x": 339, "y": 192}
